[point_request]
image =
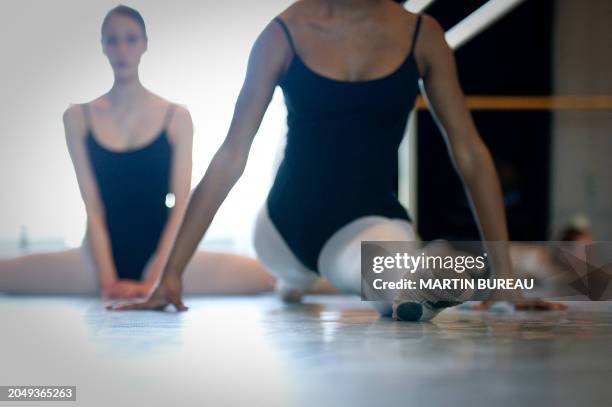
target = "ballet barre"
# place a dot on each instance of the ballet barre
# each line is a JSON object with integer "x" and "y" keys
{"x": 480, "y": 102}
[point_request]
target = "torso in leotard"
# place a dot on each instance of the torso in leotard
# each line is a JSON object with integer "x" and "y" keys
{"x": 133, "y": 185}
{"x": 340, "y": 161}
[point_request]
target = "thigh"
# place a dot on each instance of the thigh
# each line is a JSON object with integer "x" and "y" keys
{"x": 62, "y": 272}
{"x": 225, "y": 273}
{"x": 340, "y": 258}
{"x": 276, "y": 256}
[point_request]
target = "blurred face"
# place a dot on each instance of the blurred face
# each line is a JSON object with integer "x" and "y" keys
{"x": 123, "y": 42}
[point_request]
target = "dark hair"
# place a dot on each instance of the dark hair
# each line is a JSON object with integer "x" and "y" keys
{"x": 400, "y": 1}
{"x": 127, "y": 12}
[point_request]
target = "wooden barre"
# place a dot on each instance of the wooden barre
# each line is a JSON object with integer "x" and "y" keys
{"x": 603, "y": 102}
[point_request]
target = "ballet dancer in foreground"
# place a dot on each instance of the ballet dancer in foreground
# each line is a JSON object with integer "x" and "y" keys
{"x": 349, "y": 71}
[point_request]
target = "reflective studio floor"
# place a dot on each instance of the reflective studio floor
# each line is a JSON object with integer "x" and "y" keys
{"x": 334, "y": 350}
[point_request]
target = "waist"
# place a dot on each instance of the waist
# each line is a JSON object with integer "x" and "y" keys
{"x": 134, "y": 210}
{"x": 355, "y": 119}
{"x": 127, "y": 227}
{"x": 318, "y": 186}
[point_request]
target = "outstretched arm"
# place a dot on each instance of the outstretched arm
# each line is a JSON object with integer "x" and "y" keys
{"x": 266, "y": 64}
{"x": 469, "y": 154}
{"x": 75, "y": 131}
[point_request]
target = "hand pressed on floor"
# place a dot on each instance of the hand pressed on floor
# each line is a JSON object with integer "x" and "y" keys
{"x": 126, "y": 289}
{"x": 167, "y": 292}
{"x": 525, "y": 304}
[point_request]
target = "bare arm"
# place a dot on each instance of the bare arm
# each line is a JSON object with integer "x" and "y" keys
{"x": 180, "y": 131}
{"x": 264, "y": 69}
{"x": 97, "y": 233}
{"x": 469, "y": 154}
{"x": 266, "y": 62}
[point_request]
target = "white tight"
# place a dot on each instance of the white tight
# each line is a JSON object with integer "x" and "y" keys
{"x": 72, "y": 272}
{"x": 339, "y": 260}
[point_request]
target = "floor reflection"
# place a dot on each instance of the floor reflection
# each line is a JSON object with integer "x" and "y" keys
{"x": 332, "y": 350}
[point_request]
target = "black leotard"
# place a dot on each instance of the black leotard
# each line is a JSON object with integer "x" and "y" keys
{"x": 133, "y": 185}
{"x": 340, "y": 160}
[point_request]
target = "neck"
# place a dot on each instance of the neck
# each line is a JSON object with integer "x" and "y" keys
{"x": 126, "y": 92}
{"x": 352, "y": 8}
{"x": 355, "y": 6}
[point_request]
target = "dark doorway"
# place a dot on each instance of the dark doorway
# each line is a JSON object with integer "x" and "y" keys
{"x": 513, "y": 57}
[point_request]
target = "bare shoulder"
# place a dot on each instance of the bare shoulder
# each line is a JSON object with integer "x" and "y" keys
{"x": 271, "y": 51}
{"x": 74, "y": 120}
{"x": 431, "y": 34}
{"x": 273, "y": 36}
{"x": 73, "y": 114}
{"x": 181, "y": 116}
{"x": 431, "y": 48}
{"x": 180, "y": 125}
{"x": 430, "y": 29}
{"x": 179, "y": 112}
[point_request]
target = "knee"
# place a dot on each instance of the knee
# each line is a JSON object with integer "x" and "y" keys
{"x": 343, "y": 271}
{"x": 265, "y": 241}
{"x": 333, "y": 278}
{"x": 256, "y": 236}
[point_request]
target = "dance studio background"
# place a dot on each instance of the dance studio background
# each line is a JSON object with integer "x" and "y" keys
{"x": 197, "y": 56}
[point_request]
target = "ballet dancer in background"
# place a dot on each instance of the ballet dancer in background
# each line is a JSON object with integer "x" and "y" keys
{"x": 131, "y": 151}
